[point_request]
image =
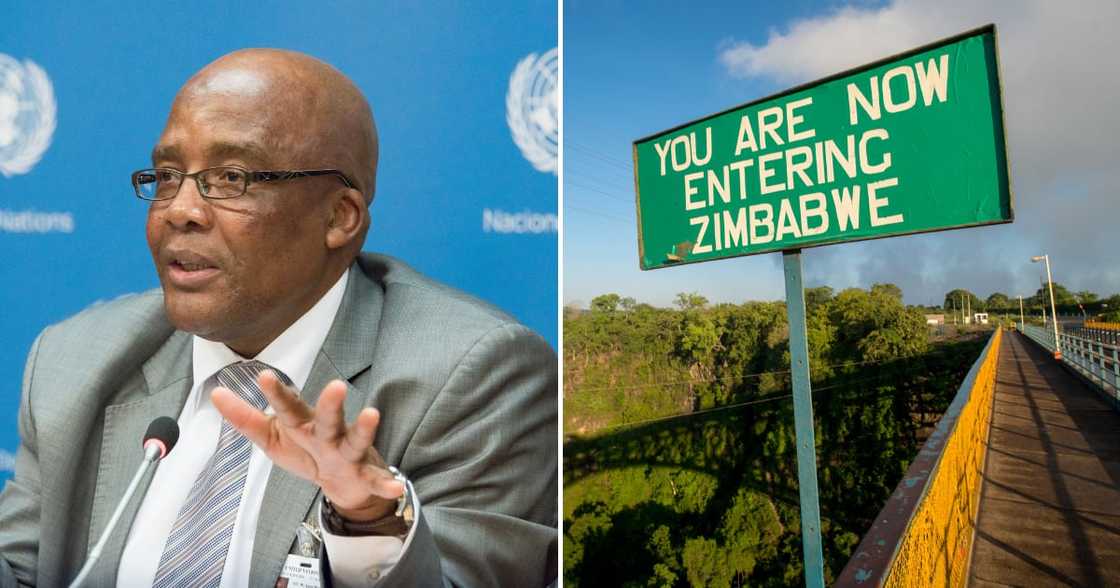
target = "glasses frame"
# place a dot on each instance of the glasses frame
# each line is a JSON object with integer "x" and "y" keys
{"x": 250, "y": 178}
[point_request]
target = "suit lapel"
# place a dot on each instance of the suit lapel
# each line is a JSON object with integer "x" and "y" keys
{"x": 161, "y": 391}
{"x": 346, "y": 352}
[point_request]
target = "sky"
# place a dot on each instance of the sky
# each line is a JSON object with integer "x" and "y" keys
{"x": 634, "y": 70}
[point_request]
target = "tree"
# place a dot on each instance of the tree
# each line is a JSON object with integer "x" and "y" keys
{"x": 818, "y": 296}
{"x": 958, "y": 300}
{"x": 706, "y": 563}
{"x": 998, "y": 300}
{"x": 1085, "y": 296}
{"x": 887, "y": 290}
{"x": 1062, "y": 296}
{"x": 605, "y": 303}
{"x": 690, "y": 301}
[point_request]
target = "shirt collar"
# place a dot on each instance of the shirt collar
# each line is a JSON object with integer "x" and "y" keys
{"x": 293, "y": 352}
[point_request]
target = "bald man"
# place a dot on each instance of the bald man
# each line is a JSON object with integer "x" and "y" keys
{"x": 344, "y": 420}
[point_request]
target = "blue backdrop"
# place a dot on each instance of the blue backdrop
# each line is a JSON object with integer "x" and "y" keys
{"x": 457, "y": 197}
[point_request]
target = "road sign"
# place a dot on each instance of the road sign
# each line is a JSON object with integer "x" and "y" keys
{"x": 910, "y": 144}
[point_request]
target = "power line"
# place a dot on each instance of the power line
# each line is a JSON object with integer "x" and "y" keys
{"x": 584, "y": 167}
{"x": 604, "y": 193}
{"x": 598, "y": 154}
{"x": 613, "y": 181}
{"x": 596, "y": 213}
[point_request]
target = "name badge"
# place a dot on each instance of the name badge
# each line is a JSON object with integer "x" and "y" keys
{"x": 299, "y": 572}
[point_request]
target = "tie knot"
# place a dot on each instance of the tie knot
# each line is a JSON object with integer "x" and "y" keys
{"x": 241, "y": 377}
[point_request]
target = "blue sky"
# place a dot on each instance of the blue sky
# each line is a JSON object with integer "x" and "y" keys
{"x": 632, "y": 70}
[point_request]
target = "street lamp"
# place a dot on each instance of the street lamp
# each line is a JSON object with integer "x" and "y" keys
{"x": 1053, "y": 309}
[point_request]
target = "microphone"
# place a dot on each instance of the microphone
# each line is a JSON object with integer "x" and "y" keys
{"x": 160, "y": 439}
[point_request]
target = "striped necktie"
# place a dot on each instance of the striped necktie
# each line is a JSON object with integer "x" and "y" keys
{"x": 196, "y": 549}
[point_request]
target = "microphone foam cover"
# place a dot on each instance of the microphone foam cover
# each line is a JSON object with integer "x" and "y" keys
{"x": 165, "y": 430}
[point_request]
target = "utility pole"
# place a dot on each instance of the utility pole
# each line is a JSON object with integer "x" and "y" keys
{"x": 1022, "y": 321}
{"x": 1053, "y": 308}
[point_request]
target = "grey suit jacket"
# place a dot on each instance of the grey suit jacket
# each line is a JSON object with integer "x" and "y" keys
{"x": 468, "y": 402}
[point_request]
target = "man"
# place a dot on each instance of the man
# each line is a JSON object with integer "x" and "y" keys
{"x": 272, "y": 326}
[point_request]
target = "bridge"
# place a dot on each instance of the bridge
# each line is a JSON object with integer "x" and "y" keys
{"x": 1019, "y": 485}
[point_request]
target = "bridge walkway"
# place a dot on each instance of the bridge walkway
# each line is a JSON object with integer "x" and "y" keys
{"x": 1049, "y": 512}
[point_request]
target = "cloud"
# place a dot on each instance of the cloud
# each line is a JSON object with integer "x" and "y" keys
{"x": 7, "y": 461}
{"x": 1060, "y": 68}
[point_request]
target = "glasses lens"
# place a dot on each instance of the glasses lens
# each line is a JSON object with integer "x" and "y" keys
{"x": 156, "y": 184}
{"x": 224, "y": 182}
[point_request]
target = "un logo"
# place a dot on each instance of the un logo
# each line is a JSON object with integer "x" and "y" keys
{"x": 531, "y": 109}
{"x": 27, "y": 115}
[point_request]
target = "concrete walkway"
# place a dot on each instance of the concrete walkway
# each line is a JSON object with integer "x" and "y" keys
{"x": 1050, "y": 506}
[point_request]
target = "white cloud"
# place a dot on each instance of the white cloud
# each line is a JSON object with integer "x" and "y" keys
{"x": 1060, "y": 68}
{"x": 7, "y": 461}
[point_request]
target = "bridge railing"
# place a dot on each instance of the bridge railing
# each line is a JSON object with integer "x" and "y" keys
{"x": 923, "y": 535}
{"x": 1090, "y": 353}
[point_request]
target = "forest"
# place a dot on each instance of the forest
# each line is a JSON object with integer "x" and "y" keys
{"x": 679, "y": 457}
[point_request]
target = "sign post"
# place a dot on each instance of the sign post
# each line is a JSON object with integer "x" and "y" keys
{"x": 913, "y": 143}
{"x": 803, "y": 422}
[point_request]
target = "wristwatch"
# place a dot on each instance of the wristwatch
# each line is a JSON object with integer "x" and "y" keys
{"x": 395, "y": 524}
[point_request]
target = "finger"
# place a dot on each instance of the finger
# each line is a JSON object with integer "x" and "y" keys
{"x": 290, "y": 410}
{"x": 330, "y": 422}
{"x": 359, "y": 438}
{"x": 381, "y": 482}
{"x": 243, "y": 416}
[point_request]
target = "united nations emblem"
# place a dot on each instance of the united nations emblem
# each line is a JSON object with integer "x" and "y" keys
{"x": 27, "y": 115}
{"x": 531, "y": 109}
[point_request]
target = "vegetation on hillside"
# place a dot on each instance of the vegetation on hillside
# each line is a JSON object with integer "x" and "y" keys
{"x": 679, "y": 459}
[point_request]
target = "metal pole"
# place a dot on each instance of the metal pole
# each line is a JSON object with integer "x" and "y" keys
{"x": 803, "y": 422}
{"x": 1022, "y": 321}
{"x": 1053, "y": 309}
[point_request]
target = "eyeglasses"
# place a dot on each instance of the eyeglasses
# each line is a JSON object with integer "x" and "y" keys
{"x": 216, "y": 183}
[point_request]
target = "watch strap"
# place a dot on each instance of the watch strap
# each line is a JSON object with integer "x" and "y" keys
{"x": 387, "y": 526}
{"x": 395, "y": 524}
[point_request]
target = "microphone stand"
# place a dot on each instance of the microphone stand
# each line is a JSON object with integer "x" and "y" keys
{"x": 152, "y": 453}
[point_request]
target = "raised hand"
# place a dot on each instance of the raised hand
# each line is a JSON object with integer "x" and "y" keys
{"x": 317, "y": 444}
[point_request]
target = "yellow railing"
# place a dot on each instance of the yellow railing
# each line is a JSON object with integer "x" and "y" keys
{"x": 1102, "y": 326}
{"x": 923, "y": 535}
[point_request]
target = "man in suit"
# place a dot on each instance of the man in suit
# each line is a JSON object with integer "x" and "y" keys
{"x": 402, "y": 433}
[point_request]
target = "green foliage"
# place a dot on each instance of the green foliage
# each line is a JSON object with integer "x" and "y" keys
{"x": 709, "y": 497}
{"x": 1112, "y": 316}
{"x": 998, "y": 300}
{"x": 690, "y": 301}
{"x": 605, "y": 303}
{"x": 889, "y": 290}
{"x": 1085, "y": 296}
{"x": 1062, "y": 296}
{"x": 819, "y": 296}
{"x": 958, "y": 299}
{"x": 706, "y": 563}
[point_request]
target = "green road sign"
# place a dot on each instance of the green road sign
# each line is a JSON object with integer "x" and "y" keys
{"x": 910, "y": 144}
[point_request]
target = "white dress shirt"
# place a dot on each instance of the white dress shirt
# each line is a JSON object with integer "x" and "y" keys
{"x": 355, "y": 561}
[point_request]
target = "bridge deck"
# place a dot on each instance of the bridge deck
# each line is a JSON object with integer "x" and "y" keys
{"x": 1049, "y": 511}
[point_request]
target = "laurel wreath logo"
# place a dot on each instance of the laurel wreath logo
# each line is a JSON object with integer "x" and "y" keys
{"x": 532, "y": 109}
{"x": 27, "y": 115}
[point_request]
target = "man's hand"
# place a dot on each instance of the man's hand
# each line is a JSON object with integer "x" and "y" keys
{"x": 317, "y": 445}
